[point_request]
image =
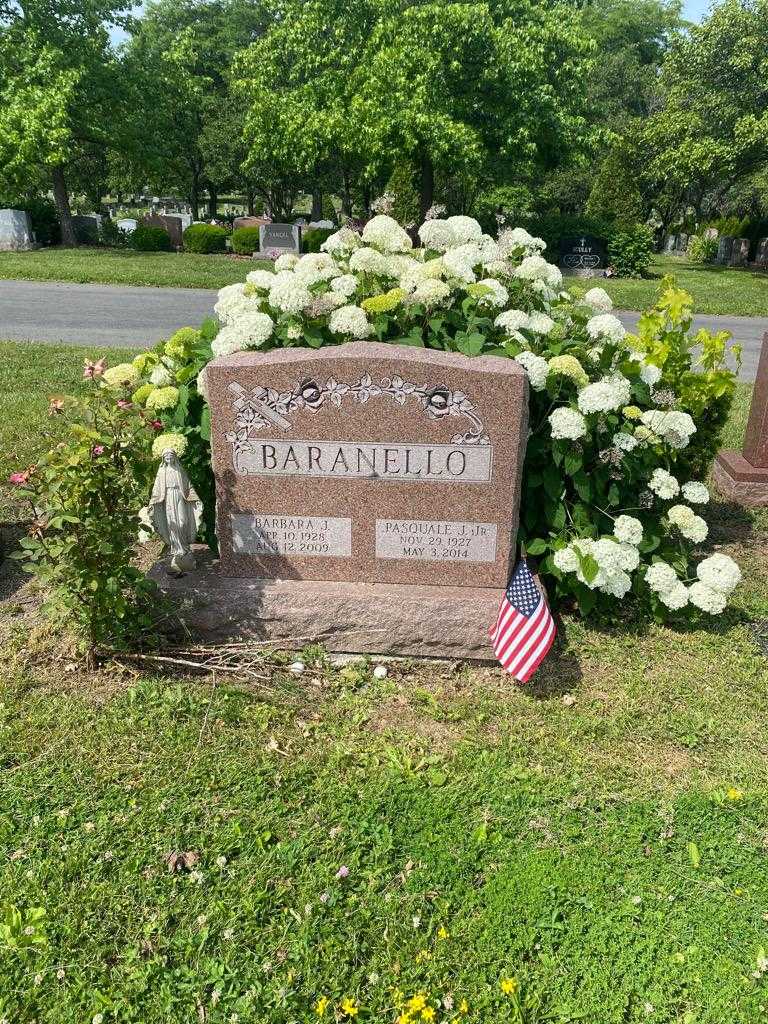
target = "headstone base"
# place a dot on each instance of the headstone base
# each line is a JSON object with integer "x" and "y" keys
{"x": 740, "y": 481}
{"x": 355, "y": 618}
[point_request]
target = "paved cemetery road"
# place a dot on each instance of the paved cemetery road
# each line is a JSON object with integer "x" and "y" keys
{"x": 116, "y": 316}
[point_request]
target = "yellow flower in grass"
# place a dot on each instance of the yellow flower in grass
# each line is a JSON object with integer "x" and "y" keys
{"x": 384, "y": 303}
{"x": 321, "y": 1006}
{"x": 442, "y": 932}
{"x": 734, "y": 794}
{"x": 509, "y": 986}
{"x": 348, "y": 1008}
{"x": 404, "y": 1018}
{"x": 463, "y": 1006}
{"x": 427, "y": 1013}
{"x": 416, "y": 1003}
{"x": 422, "y": 955}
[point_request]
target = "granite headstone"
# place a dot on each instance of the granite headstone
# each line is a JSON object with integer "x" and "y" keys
{"x": 368, "y": 491}
{"x": 285, "y": 237}
{"x": 582, "y": 254}
{"x": 15, "y": 231}
{"x": 743, "y": 476}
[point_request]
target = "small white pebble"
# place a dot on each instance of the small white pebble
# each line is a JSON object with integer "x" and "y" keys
{"x": 297, "y": 668}
{"x": 221, "y": 862}
{"x": 380, "y": 672}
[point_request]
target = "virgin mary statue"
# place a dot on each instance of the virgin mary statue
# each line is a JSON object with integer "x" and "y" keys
{"x": 175, "y": 512}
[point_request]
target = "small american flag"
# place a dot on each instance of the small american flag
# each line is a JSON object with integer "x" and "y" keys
{"x": 524, "y": 629}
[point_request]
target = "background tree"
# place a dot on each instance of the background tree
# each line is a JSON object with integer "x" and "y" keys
{"x": 62, "y": 92}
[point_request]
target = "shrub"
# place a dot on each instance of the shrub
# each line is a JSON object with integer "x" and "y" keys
{"x": 87, "y": 233}
{"x": 205, "y": 238}
{"x": 701, "y": 249}
{"x": 631, "y": 251}
{"x": 313, "y": 238}
{"x": 44, "y": 220}
{"x": 147, "y": 238}
{"x": 245, "y": 241}
{"x": 84, "y": 497}
{"x": 620, "y": 427}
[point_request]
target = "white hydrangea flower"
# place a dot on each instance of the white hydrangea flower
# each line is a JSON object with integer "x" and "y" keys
{"x": 369, "y": 261}
{"x": 161, "y": 376}
{"x": 676, "y": 597}
{"x": 498, "y": 295}
{"x": 536, "y": 268}
{"x": 540, "y": 323}
{"x": 628, "y": 530}
{"x": 650, "y": 374}
{"x": 720, "y": 573}
{"x": 202, "y": 384}
{"x": 661, "y": 577}
{"x": 706, "y": 598}
{"x": 345, "y": 240}
{"x": 416, "y": 272}
{"x": 285, "y": 262}
{"x": 695, "y": 492}
{"x": 566, "y": 560}
{"x": 536, "y": 367}
{"x": 616, "y": 583}
{"x": 314, "y": 267}
{"x": 465, "y": 229}
{"x": 346, "y": 285}
{"x": 629, "y": 557}
{"x": 350, "y": 321}
{"x": 460, "y": 264}
{"x": 385, "y": 234}
{"x": 294, "y": 332}
{"x": 691, "y": 526}
{"x": 488, "y": 249}
{"x": 264, "y": 279}
{"x": 289, "y": 293}
{"x": 437, "y": 234}
{"x": 676, "y": 428}
{"x": 512, "y": 321}
{"x": 324, "y": 304}
{"x": 606, "y": 326}
{"x": 430, "y": 292}
{"x": 255, "y": 328}
{"x": 513, "y": 239}
{"x": 566, "y": 423}
{"x": 664, "y": 484}
{"x": 604, "y": 395}
{"x": 599, "y": 300}
{"x": 232, "y": 300}
{"x": 624, "y": 442}
{"x": 228, "y": 340}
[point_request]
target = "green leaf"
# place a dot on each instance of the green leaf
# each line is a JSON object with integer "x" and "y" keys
{"x": 537, "y": 546}
{"x": 470, "y": 344}
{"x": 694, "y": 855}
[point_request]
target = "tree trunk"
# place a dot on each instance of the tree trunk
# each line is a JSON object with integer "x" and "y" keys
{"x": 250, "y": 199}
{"x": 61, "y": 198}
{"x": 194, "y": 199}
{"x": 346, "y": 195}
{"x": 427, "y": 185}
{"x": 213, "y": 202}
{"x": 317, "y": 204}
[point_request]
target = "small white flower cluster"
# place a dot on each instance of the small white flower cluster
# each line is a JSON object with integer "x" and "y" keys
{"x": 604, "y": 395}
{"x": 718, "y": 576}
{"x": 676, "y": 428}
{"x": 606, "y": 326}
{"x": 599, "y": 300}
{"x": 691, "y": 526}
{"x": 615, "y": 560}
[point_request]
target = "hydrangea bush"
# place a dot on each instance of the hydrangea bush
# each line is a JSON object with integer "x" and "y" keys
{"x": 622, "y": 427}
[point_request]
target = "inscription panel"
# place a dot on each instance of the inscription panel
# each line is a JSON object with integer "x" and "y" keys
{"x": 436, "y": 540}
{"x": 302, "y": 536}
{"x": 436, "y": 463}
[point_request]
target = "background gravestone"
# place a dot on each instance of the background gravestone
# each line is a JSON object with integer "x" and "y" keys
{"x": 739, "y": 252}
{"x": 367, "y": 494}
{"x": 724, "y": 248}
{"x": 743, "y": 476}
{"x": 286, "y": 237}
{"x": 248, "y": 222}
{"x": 583, "y": 255}
{"x": 171, "y": 224}
{"x": 761, "y": 255}
{"x": 15, "y": 231}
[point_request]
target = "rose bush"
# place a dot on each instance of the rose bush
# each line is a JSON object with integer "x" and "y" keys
{"x": 621, "y": 427}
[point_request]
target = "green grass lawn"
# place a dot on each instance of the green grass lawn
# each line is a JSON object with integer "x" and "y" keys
{"x": 123, "y": 266}
{"x": 599, "y": 836}
{"x": 714, "y": 289}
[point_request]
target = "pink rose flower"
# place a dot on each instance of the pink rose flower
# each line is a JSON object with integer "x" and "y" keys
{"x": 92, "y": 370}
{"x": 98, "y": 449}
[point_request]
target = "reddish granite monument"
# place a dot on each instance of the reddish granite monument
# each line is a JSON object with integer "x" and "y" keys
{"x": 743, "y": 477}
{"x": 368, "y": 496}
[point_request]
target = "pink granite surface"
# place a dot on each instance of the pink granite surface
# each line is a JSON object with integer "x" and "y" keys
{"x": 457, "y": 425}
{"x": 756, "y": 437}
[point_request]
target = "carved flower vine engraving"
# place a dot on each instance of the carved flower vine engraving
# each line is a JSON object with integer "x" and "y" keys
{"x": 264, "y": 407}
